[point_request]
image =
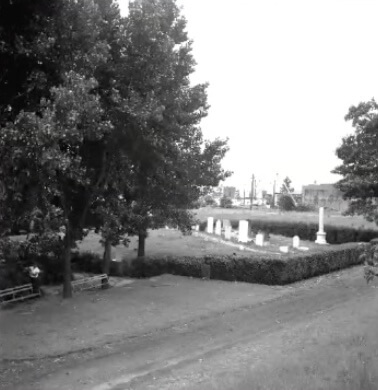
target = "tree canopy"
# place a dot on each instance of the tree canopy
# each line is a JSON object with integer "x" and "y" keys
{"x": 103, "y": 121}
{"x": 359, "y": 155}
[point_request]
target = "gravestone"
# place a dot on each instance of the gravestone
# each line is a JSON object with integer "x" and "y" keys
{"x": 226, "y": 222}
{"x": 321, "y": 234}
{"x": 296, "y": 242}
{"x": 243, "y": 231}
{"x": 284, "y": 249}
{"x": 210, "y": 225}
{"x": 227, "y": 232}
{"x": 218, "y": 227}
{"x": 196, "y": 228}
{"x": 259, "y": 240}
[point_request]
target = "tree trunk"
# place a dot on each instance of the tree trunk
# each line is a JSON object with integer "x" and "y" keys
{"x": 106, "y": 262}
{"x": 141, "y": 243}
{"x": 67, "y": 288}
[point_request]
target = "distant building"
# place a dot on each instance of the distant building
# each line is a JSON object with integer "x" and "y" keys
{"x": 325, "y": 195}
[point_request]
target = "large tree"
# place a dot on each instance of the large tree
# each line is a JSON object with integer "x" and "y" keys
{"x": 117, "y": 133}
{"x": 359, "y": 155}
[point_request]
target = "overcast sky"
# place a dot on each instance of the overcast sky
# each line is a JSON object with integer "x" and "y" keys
{"x": 282, "y": 76}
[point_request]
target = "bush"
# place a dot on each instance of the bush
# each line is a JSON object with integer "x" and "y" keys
{"x": 44, "y": 250}
{"x": 286, "y": 203}
{"x": 302, "y": 207}
{"x": 265, "y": 270}
{"x": 226, "y": 203}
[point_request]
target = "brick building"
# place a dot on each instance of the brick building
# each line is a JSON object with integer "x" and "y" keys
{"x": 326, "y": 195}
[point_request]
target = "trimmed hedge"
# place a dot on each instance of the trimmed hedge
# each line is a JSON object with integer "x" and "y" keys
{"x": 264, "y": 270}
{"x": 307, "y": 231}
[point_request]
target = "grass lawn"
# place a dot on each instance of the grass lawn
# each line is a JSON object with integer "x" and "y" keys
{"x": 330, "y": 218}
{"x": 164, "y": 242}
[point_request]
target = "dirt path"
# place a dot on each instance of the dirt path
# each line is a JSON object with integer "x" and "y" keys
{"x": 134, "y": 362}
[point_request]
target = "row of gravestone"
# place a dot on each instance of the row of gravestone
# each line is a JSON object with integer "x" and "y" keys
{"x": 242, "y": 232}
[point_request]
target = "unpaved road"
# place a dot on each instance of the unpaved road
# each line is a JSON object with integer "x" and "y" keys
{"x": 194, "y": 353}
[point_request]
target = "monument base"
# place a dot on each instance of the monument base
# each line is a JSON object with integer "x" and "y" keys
{"x": 321, "y": 238}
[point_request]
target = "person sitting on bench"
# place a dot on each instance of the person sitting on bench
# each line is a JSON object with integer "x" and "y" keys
{"x": 34, "y": 272}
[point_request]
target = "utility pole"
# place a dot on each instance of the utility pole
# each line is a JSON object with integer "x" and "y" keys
{"x": 274, "y": 190}
{"x": 252, "y": 190}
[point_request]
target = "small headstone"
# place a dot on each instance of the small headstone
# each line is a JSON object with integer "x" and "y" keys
{"x": 296, "y": 242}
{"x": 218, "y": 227}
{"x": 243, "y": 231}
{"x": 284, "y": 249}
{"x": 196, "y": 228}
{"x": 259, "y": 241}
{"x": 226, "y": 222}
{"x": 227, "y": 232}
{"x": 205, "y": 271}
{"x": 210, "y": 225}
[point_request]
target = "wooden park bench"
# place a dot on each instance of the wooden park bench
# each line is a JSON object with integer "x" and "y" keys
{"x": 90, "y": 283}
{"x": 18, "y": 293}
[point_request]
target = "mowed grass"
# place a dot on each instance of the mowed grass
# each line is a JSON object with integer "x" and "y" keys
{"x": 330, "y": 217}
{"x": 162, "y": 243}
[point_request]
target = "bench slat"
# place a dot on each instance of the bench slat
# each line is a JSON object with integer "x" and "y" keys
{"x": 88, "y": 283}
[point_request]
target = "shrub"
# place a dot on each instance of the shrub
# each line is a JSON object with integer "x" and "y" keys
{"x": 44, "y": 250}
{"x": 286, "y": 203}
{"x": 302, "y": 207}
{"x": 264, "y": 270}
{"x": 226, "y": 203}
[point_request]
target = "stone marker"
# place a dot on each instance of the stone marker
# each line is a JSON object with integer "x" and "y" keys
{"x": 284, "y": 249}
{"x": 227, "y": 232}
{"x": 296, "y": 242}
{"x": 226, "y": 222}
{"x": 259, "y": 240}
{"x": 218, "y": 227}
{"x": 197, "y": 227}
{"x": 243, "y": 231}
{"x": 321, "y": 235}
{"x": 210, "y": 225}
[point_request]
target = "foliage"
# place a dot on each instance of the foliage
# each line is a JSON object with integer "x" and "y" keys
{"x": 113, "y": 132}
{"x": 306, "y": 231}
{"x": 302, "y": 207}
{"x": 370, "y": 259}
{"x": 45, "y": 250}
{"x": 265, "y": 270}
{"x": 225, "y": 202}
{"x": 286, "y": 203}
{"x": 359, "y": 155}
{"x": 285, "y": 188}
{"x": 209, "y": 200}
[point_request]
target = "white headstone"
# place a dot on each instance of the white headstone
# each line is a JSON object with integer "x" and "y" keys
{"x": 259, "y": 241}
{"x": 218, "y": 227}
{"x": 197, "y": 227}
{"x": 226, "y": 222}
{"x": 284, "y": 249}
{"x": 321, "y": 235}
{"x": 227, "y": 232}
{"x": 243, "y": 231}
{"x": 296, "y": 242}
{"x": 210, "y": 225}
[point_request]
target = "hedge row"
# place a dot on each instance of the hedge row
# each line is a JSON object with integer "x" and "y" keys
{"x": 271, "y": 271}
{"x": 307, "y": 231}
{"x": 264, "y": 270}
